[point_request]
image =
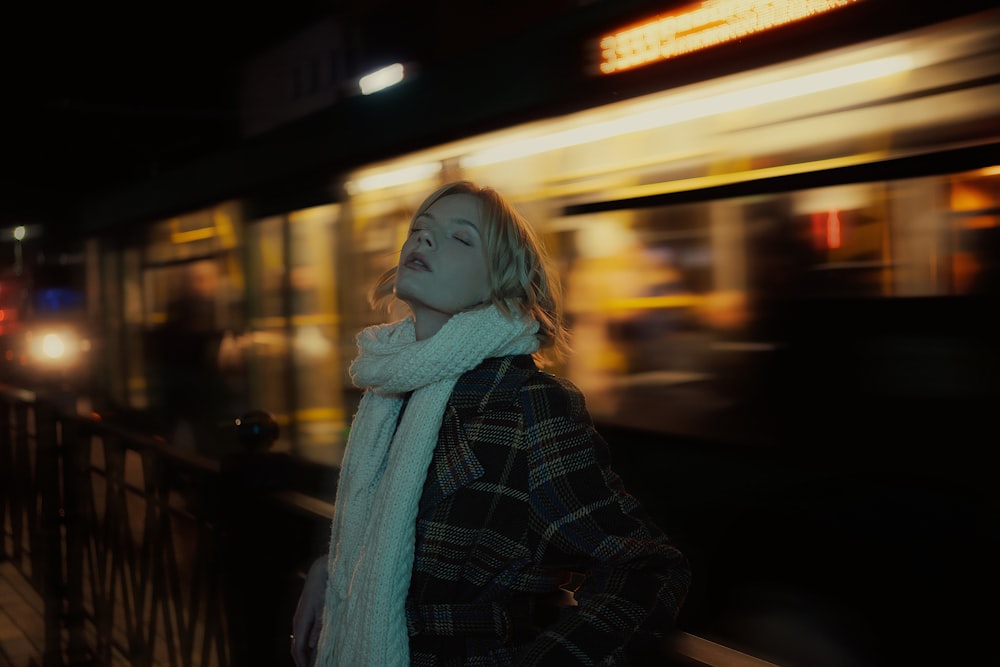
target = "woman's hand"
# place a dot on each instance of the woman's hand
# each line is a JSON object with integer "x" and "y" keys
{"x": 308, "y": 619}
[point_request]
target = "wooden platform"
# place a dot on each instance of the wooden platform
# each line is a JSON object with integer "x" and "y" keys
{"x": 22, "y": 630}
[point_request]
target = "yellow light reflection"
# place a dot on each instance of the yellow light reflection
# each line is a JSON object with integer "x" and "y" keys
{"x": 386, "y": 179}
{"x": 192, "y": 235}
{"x": 672, "y": 112}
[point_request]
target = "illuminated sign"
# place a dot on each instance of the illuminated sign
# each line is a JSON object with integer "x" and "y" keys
{"x": 701, "y": 26}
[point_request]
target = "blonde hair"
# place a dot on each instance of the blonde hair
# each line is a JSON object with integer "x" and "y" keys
{"x": 522, "y": 279}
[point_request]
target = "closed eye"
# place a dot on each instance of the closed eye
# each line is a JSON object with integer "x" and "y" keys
{"x": 463, "y": 240}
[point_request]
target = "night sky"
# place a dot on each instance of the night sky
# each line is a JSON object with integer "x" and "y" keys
{"x": 95, "y": 99}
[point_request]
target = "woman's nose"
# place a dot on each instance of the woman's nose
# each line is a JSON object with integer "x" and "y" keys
{"x": 425, "y": 236}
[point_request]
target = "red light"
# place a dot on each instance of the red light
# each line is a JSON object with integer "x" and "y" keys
{"x": 833, "y": 228}
{"x": 826, "y": 230}
{"x": 818, "y": 223}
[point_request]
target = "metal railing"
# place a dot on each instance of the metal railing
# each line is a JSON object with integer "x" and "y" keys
{"x": 147, "y": 555}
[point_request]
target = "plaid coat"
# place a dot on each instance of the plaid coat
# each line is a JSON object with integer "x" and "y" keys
{"x": 520, "y": 501}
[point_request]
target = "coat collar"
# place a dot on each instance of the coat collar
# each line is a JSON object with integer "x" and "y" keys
{"x": 455, "y": 463}
{"x": 496, "y": 379}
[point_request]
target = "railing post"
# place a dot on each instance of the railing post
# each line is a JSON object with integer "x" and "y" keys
{"x": 50, "y": 528}
{"x": 22, "y": 494}
{"x": 6, "y": 471}
{"x": 76, "y": 469}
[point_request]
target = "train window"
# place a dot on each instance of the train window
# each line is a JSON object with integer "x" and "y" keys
{"x": 293, "y": 345}
{"x": 266, "y": 339}
{"x": 846, "y": 231}
{"x": 635, "y": 286}
{"x": 320, "y": 418}
{"x": 975, "y": 214}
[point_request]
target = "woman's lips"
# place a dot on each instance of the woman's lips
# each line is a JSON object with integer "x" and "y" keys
{"x": 417, "y": 262}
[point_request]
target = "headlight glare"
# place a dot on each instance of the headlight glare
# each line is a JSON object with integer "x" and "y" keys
{"x": 53, "y": 346}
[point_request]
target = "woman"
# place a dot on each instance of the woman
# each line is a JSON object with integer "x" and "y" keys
{"x": 474, "y": 487}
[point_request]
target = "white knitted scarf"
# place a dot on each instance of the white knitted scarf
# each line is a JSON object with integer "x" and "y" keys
{"x": 383, "y": 473}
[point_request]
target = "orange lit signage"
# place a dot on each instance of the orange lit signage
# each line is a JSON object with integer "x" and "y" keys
{"x": 701, "y": 26}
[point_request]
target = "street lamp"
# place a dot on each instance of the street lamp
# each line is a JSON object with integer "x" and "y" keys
{"x": 381, "y": 79}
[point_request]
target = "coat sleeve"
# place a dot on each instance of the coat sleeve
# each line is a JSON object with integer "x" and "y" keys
{"x": 583, "y": 520}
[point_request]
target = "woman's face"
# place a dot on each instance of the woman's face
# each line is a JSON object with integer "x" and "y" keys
{"x": 442, "y": 265}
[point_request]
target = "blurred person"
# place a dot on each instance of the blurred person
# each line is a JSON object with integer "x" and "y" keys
{"x": 478, "y": 520}
{"x": 194, "y": 395}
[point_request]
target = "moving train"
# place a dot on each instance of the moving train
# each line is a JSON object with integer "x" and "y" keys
{"x": 686, "y": 224}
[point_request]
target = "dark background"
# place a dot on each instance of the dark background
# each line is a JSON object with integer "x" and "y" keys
{"x": 97, "y": 96}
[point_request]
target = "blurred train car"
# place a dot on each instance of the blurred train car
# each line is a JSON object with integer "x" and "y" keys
{"x": 786, "y": 271}
{"x": 686, "y": 223}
